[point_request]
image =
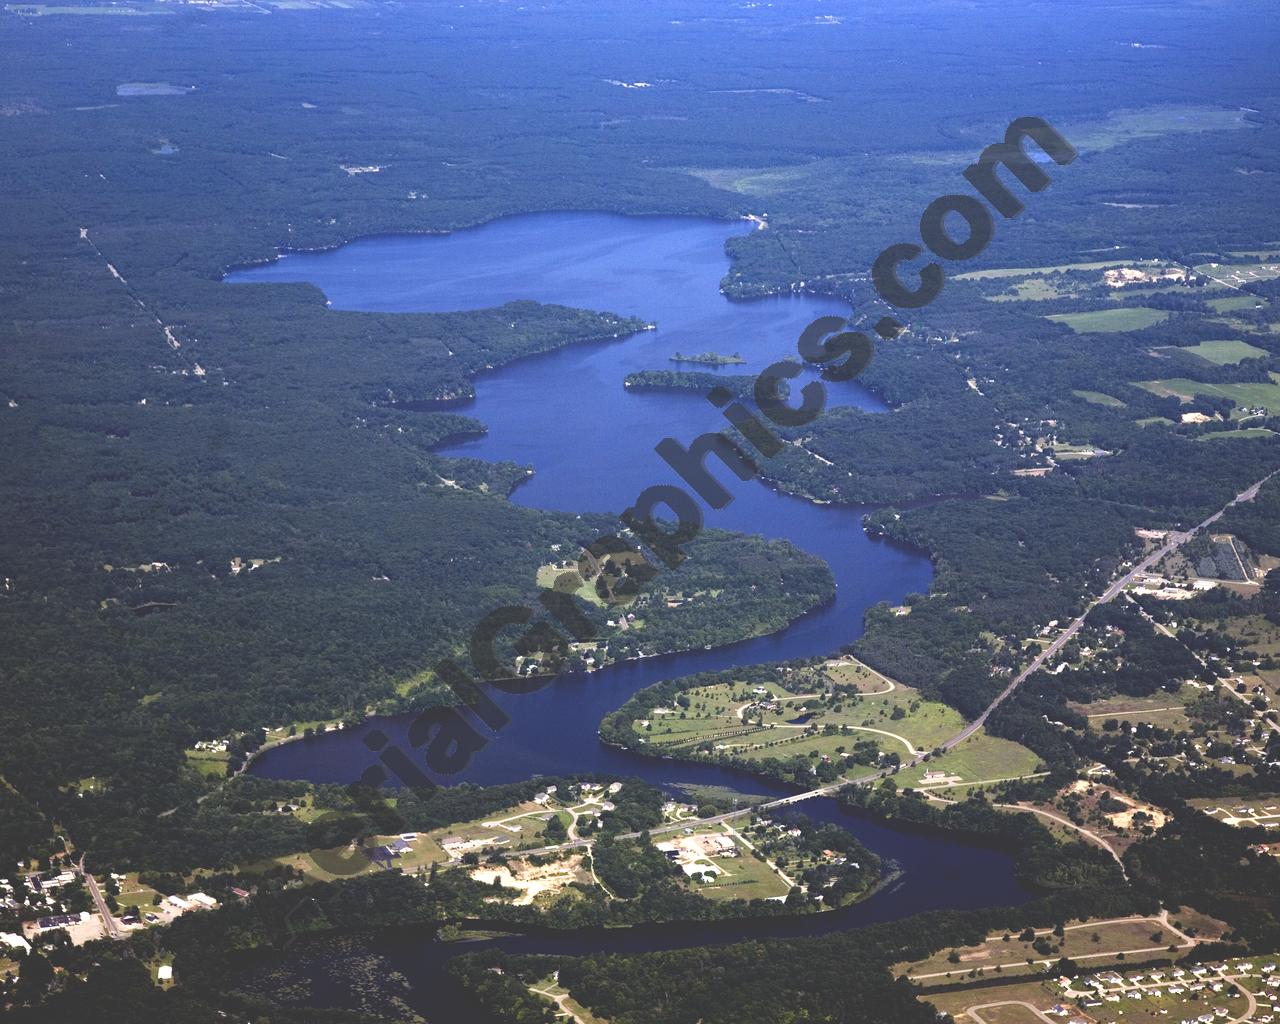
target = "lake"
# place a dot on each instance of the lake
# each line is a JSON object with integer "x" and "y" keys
{"x": 591, "y": 443}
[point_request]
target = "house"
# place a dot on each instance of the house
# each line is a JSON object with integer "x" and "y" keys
{"x": 12, "y": 941}
{"x": 200, "y": 899}
{"x": 165, "y": 973}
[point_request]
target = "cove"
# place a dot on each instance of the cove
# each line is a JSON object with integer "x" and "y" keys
{"x": 590, "y": 442}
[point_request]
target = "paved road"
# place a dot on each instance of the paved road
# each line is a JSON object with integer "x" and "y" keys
{"x": 973, "y": 1010}
{"x": 1175, "y": 540}
{"x": 91, "y": 883}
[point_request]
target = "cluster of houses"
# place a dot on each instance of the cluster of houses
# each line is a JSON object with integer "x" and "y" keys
{"x": 42, "y": 890}
{"x": 1197, "y": 984}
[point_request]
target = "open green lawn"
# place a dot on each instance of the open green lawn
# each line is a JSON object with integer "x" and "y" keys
{"x": 1163, "y": 709}
{"x": 209, "y": 762}
{"x": 1077, "y": 941}
{"x": 1098, "y": 398}
{"x": 977, "y": 275}
{"x": 1105, "y": 321}
{"x": 1230, "y": 303}
{"x": 712, "y": 717}
{"x": 1238, "y": 435}
{"x": 1221, "y": 353}
{"x": 1248, "y": 394}
{"x": 979, "y": 758}
{"x": 745, "y": 877}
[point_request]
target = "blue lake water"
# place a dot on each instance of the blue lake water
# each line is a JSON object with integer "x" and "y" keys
{"x": 591, "y": 443}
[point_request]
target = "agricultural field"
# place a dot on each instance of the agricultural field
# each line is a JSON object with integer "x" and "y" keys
{"x": 1062, "y": 268}
{"x": 1232, "y": 303}
{"x": 1247, "y": 434}
{"x": 1251, "y": 394}
{"x": 1224, "y": 352}
{"x": 1106, "y": 321}
{"x": 1098, "y": 398}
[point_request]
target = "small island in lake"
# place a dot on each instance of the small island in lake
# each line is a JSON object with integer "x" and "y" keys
{"x": 709, "y": 359}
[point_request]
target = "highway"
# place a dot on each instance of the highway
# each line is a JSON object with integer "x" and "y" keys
{"x": 1174, "y": 541}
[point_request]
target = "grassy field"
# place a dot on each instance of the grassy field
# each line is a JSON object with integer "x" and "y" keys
{"x": 513, "y": 828}
{"x": 977, "y": 275}
{"x": 548, "y": 574}
{"x": 1231, "y": 303}
{"x": 1033, "y": 289}
{"x": 1249, "y": 394}
{"x": 1163, "y": 709}
{"x": 980, "y": 758}
{"x": 1105, "y": 321}
{"x": 551, "y": 990}
{"x": 134, "y": 894}
{"x": 1221, "y": 353}
{"x": 209, "y": 762}
{"x": 1098, "y": 398}
{"x": 728, "y": 717}
{"x": 1092, "y": 942}
{"x": 744, "y": 877}
{"x": 1237, "y": 435}
{"x": 1033, "y": 992}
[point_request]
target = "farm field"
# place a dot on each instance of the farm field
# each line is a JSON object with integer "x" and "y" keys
{"x": 1243, "y": 394}
{"x": 1231, "y": 303}
{"x": 1247, "y": 434}
{"x": 977, "y": 275}
{"x": 1222, "y": 352}
{"x": 1099, "y": 398}
{"x": 1105, "y": 321}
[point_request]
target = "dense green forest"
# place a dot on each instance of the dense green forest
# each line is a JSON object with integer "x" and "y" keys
{"x": 226, "y": 508}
